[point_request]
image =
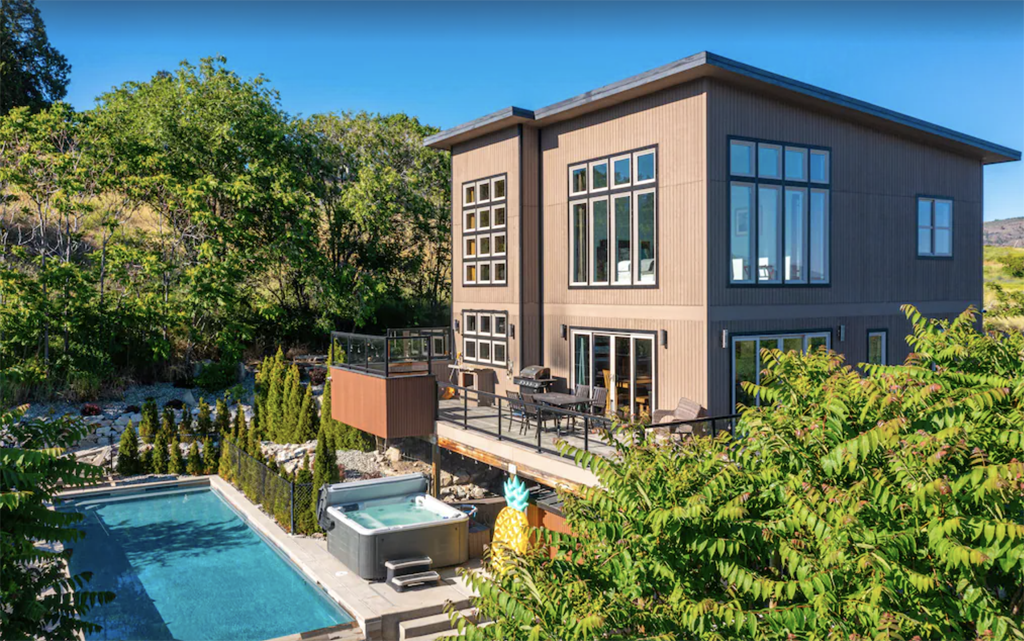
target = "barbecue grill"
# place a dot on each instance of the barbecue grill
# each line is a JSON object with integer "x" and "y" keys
{"x": 534, "y": 379}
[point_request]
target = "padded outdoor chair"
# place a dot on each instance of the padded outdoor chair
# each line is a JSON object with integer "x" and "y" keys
{"x": 534, "y": 411}
{"x": 517, "y": 411}
{"x": 599, "y": 401}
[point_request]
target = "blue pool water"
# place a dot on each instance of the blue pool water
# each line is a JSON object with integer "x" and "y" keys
{"x": 185, "y": 566}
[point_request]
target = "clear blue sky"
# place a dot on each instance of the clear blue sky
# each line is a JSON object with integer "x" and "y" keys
{"x": 957, "y": 65}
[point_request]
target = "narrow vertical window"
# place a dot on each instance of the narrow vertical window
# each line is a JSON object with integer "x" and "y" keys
{"x": 621, "y": 249}
{"x": 470, "y": 224}
{"x": 578, "y": 232}
{"x": 599, "y": 240}
{"x": 469, "y": 194}
{"x": 578, "y": 180}
{"x": 741, "y": 232}
{"x": 819, "y": 236}
{"x": 819, "y": 166}
{"x": 934, "y": 227}
{"x": 483, "y": 191}
{"x": 645, "y": 237}
{"x": 470, "y": 251}
{"x": 769, "y": 233}
{"x": 796, "y": 229}
{"x": 484, "y": 248}
{"x": 483, "y": 218}
{"x": 621, "y": 171}
{"x": 581, "y": 359}
{"x": 877, "y": 348}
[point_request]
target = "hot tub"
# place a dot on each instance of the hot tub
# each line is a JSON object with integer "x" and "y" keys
{"x": 370, "y": 522}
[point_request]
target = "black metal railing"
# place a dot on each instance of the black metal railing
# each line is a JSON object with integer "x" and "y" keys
{"x": 501, "y": 416}
{"x": 511, "y": 420}
{"x": 400, "y": 352}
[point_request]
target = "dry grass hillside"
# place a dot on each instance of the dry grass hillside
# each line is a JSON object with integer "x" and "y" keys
{"x": 1008, "y": 232}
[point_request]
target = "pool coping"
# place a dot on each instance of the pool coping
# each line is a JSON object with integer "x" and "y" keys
{"x": 376, "y": 616}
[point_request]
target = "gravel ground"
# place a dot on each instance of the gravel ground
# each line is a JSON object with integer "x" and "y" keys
{"x": 364, "y": 462}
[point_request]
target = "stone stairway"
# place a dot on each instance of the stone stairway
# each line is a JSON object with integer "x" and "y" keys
{"x": 434, "y": 626}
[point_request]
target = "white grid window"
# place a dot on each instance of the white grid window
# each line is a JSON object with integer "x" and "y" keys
{"x": 478, "y": 248}
{"x": 485, "y": 337}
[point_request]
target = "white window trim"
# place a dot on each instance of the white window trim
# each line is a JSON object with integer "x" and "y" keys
{"x": 465, "y": 352}
{"x": 466, "y": 213}
{"x": 494, "y": 325}
{"x": 494, "y": 244}
{"x": 635, "y": 241}
{"x": 479, "y": 220}
{"x": 828, "y": 165}
{"x": 480, "y": 273}
{"x": 633, "y": 337}
{"x": 806, "y": 336}
{"x": 636, "y": 165}
{"x": 586, "y": 172}
{"x": 479, "y": 184}
{"x": 884, "y": 334}
{"x": 465, "y": 273}
{"x": 590, "y": 176}
{"x": 481, "y": 359}
{"x": 466, "y": 202}
{"x": 611, "y": 171}
{"x": 480, "y": 253}
{"x": 590, "y": 240}
{"x": 613, "y": 265}
{"x": 495, "y": 181}
{"x": 752, "y": 146}
{"x": 494, "y": 357}
{"x": 781, "y": 164}
{"x": 502, "y": 225}
{"x": 465, "y": 247}
{"x": 465, "y": 320}
{"x": 494, "y": 272}
{"x": 806, "y": 167}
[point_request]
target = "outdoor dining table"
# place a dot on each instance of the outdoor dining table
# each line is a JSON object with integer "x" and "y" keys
{"x": 561, "y": 399}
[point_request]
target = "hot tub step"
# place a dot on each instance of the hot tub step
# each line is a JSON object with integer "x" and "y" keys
{"x": 405, "y": 580}
{"x": 431, "y": 627}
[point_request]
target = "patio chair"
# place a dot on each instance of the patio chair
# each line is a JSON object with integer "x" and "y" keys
{"x": 686, "y": 410}
{"x": 599, "y": 401}
{"x": 582, "y": 391}
{"x": 517, "y": 411}
{"x": 537, "y": 413}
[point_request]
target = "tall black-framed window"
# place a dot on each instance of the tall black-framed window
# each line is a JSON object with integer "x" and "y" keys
{"x": 613, "y": 220}
{"x": 934, "y": 227}
{"x": 779, "y": 213}
{"x": 485, "y": 231}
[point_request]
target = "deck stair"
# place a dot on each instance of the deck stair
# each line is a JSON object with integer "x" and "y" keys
{"x": 431, "y": 627}
{"x": 403, "y": 573}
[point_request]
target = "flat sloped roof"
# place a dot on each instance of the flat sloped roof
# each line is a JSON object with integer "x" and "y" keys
{"x": 707, "y": 64}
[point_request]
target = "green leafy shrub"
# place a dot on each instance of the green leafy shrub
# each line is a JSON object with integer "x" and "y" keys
{"x": 325, "y": 462}
{"x": 1013, "y": 264}
{"x": 175, "y": 463}
{"x": 148, "y": 427}
{"x": 204, "y": 424}
{"x": 146, "y": 461}
{"x": 185, "y": 429}
{"x": 159, "y": 460}
{"x": 210, "y": 462}
{"x": 128, "y": 460}
{"x": 886, "y": 505}
{"x": 223, "y": 420}
{"x": 167, "y": 424}
{"x": 217, "y": 376}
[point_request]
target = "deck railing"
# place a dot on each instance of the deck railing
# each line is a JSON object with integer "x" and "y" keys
{"x": 400, "y": 352}
{"x": 499, "y": 416}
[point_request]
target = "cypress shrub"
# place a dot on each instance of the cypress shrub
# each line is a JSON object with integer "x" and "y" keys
{"x": 194, "y": 464}
{"x": 209, "y": 457}
{"x": 241, "y": 430}
{"x": 175, "y": 464}
{"x": 128, "y": 461}
{"x": 292, "y": 398}
{"x": 275, "y": 398}
{"x": 159, "y": 460}
{"x": 204, "y": 424}
{"x": 167, "y": 426}
{"x": 146, "y": 461}
{"x": 185, "y": 426}
{"x": 148, "y": 425}
{"x": 223, "y": 420}
{"x": 306, "y": 428}
{"x": 325, "y": 463}
{"x": 224, "y": 466}
{"x": 305, "y": 506}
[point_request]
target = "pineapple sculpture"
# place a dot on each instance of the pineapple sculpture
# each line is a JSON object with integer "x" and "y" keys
{"x": 510, "y": 530}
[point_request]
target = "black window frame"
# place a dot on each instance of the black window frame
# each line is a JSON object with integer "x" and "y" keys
{"x": 479, "y": 259}
{"x": 755, "y": 180}
{"x": 952, "y": 227}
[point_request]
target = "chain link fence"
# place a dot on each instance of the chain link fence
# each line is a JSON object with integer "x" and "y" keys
{"x": 291, "y": 504}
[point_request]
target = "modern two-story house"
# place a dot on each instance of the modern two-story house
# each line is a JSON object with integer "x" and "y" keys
{"x": 650, "y": 236}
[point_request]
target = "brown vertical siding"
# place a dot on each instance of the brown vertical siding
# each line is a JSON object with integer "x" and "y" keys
{"x": 529, "y": 251}
{"x": 393, "y": 407}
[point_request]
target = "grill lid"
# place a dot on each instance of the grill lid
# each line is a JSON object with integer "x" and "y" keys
{"x": 535, "y": 372}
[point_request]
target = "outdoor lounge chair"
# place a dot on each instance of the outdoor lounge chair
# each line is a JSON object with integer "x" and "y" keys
{"x": 686, "y": 410}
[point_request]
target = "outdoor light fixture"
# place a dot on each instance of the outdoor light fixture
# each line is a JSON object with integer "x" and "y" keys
{"x": 664, "y": 337}
{"x": 725, "y": 339}
{"x": 511, "y": 330}
{"x": 565, "y": 332}
{"x": 456, "y": 324}
{"x": 842, "y": 333}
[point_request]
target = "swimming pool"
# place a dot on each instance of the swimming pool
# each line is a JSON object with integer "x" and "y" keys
{"x": 185, "y": 566}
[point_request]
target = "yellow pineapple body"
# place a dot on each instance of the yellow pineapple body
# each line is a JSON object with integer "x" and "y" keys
{"x": 510, "y": 537}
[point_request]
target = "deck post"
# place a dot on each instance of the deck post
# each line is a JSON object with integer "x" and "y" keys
{"x": 291, "y": 499}
{"x": 435, "y": 458}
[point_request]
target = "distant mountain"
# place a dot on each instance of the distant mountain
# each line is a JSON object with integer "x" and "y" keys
{"x": 1008, "y": 232}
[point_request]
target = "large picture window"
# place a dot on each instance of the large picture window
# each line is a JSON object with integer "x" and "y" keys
{"x": 746, "y": 357}
{"x": 485, "y": 337}
{"x": 622, "y": 363}
{"x": 613, "y": 221}
{"x": 935, "y": 227}
{"x": 484, "y": 221}
{"x": 778, "y": 213}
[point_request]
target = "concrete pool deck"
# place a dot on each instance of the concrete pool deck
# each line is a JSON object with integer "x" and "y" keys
{"x": 377, "y": 608}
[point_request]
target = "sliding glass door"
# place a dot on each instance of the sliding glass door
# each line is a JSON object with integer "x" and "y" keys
{"x": 622, "y": 363}
{"x": 746, "y": 358}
